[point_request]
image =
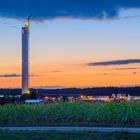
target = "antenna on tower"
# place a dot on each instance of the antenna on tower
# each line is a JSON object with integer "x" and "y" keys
{"x": 28, "y": 17}
{"x": 27, "y": 21}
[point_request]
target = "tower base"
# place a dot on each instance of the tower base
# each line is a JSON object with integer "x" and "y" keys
{"x": 25, "y": 96}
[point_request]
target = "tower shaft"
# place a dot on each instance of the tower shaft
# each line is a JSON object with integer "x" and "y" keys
{"x": 25, "y": 60}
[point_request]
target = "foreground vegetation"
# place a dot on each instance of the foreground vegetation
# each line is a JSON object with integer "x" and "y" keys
{"x": 75, "y": 113}
{"x": 54, "y": 135}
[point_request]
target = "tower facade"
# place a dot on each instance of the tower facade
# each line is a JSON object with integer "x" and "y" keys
{"x": 25, "y": 58}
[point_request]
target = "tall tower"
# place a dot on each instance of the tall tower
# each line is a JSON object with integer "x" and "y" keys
{"x": 25, "y": 57}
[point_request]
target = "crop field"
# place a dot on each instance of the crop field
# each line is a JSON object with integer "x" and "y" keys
{"x": 72, "y": 114}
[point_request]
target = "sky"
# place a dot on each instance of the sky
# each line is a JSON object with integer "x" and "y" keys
{"x": 74, "y": 44}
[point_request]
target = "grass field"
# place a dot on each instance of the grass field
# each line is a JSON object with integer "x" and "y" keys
{"x": 54, "y": 135}
{"x": 75, "y": 113}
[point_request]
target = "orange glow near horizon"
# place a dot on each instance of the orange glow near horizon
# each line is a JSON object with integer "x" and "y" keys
{"x": 73, "y": 76}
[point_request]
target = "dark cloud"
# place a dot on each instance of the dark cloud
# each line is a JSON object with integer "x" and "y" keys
{"x": 50, "y": 9}
{"x": 134, "y": 72}
{"x": 55, "y": 71}
{"x": 104, "y": 74}
{"x": 13, "y": 75}
{"x": 110, "y": 74}
{"x": 34, "y": 75}
{"x": 126, "y": 69}
{"x": 9, "y": 75}
{"x": 114, "y": 62}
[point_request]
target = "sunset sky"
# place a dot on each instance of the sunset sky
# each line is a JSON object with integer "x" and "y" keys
{"x": 72, "y": 48}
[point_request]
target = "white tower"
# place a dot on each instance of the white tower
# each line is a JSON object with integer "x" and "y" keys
{"x": 25, "y": 57}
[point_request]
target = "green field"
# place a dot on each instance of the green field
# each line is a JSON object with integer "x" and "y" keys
{"x": 75, "y": 113}
{"x": 55, "y": 135}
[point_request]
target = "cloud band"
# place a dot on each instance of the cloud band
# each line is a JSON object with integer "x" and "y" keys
{"x": 114, "y": 62}
{"x": 50, "y": 9}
